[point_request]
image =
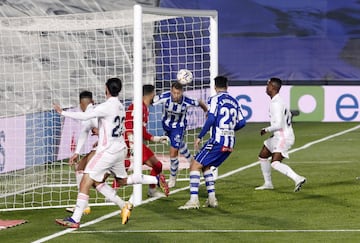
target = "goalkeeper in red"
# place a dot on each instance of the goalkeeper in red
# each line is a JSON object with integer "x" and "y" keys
{"x": 149, "y": 158}
{"x": 223, "y": 120}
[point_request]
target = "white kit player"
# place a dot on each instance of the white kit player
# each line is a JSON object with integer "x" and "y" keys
{"x": 223, "y": 120}
{"x": 86, "y": 105}
{"x": 280, "y": 142}
{"x": 109, "y": 156}
{"x": 174, "y": 122}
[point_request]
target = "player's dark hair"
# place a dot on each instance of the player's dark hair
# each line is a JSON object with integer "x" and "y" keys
{"x": 221, "y": 82}
{"x": 85, "y": 94}
{"x": 177, "y": 85}
{"x": 276, "y": 82}
{"x": 148, "y": 89}
{"x": 114, "y": 86}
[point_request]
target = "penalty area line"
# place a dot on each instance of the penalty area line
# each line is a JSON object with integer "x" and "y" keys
{"x": 66, "y": 231}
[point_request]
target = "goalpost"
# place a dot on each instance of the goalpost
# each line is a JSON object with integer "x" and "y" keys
{"x": 52, "y": 59}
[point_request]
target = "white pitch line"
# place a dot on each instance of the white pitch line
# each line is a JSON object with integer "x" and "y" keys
{"x": 305, "y": 146}
{"x": 218, "y": 231}
{"x": 325, "y": 162}
{"x": 324, "y": 139}
{"x": 63, "y": 232}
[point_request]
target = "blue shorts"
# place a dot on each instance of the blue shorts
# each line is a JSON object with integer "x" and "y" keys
{"x": 212, "y": 154}
{"x": 176, "y": 136}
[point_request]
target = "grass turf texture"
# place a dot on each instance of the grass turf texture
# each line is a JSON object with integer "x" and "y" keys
{"x": 325, "y": 210}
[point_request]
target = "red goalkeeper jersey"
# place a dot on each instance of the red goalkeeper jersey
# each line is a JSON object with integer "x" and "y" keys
{"x": 129, "y": 121}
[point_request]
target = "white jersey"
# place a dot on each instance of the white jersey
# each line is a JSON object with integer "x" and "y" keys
{"x": 111, "y": 117}
{"x": 86, "y": 127}
{"x": 280, "y": 119}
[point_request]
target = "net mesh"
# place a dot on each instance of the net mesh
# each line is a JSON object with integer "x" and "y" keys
{"x": 46, "y": 60}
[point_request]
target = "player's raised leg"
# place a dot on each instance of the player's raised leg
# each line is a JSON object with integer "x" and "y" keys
{"x": 286, "y": 170}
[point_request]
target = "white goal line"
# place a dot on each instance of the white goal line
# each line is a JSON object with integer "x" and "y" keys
{"x": 218, "y": 231}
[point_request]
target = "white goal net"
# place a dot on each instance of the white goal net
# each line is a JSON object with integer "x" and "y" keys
{"x": 46, "y": 60}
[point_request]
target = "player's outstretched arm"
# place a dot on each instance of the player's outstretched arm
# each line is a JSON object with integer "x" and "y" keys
{"x": 208, "y": 123}
{"x": 160, "y": 139}
{"x": 203, "y": 106}
{"x": 240, "y": 124}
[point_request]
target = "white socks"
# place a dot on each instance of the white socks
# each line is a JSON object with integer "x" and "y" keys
{"x": 174, "y": 165}
{"x": 266, "y": 170}
{"x": 210, "y": 183}
{"x": 141, "y": 179}
{"x": 194, "y": 185}
{"x": 185, "y": 151}
{"x": 81, "y": 203}
{"x": 285, "y": 169}
{"x": 110, "y": 194}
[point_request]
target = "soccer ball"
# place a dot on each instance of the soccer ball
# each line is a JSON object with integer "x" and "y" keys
{"x": 184, "y": 76}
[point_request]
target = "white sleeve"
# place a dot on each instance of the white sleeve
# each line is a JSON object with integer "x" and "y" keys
{"x": 162, "y": 98}
{"x": 83, "y": 116}
{"x": 276, "y": 117}
{"x": 158, "y": 100}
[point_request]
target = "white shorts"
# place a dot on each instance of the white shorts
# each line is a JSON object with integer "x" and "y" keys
{"x": 104, "y": 162}
{"x": 281, "y": 145}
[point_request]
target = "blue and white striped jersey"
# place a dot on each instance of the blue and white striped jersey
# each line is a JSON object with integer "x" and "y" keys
{"x": 174, "y": 113}
{"x": 224, "y": 118}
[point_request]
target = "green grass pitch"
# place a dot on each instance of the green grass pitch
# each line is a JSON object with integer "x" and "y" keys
{"x": 325, "y": 210}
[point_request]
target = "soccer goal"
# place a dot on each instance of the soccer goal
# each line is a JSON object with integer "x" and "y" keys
{"x": 52, "y": 59}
